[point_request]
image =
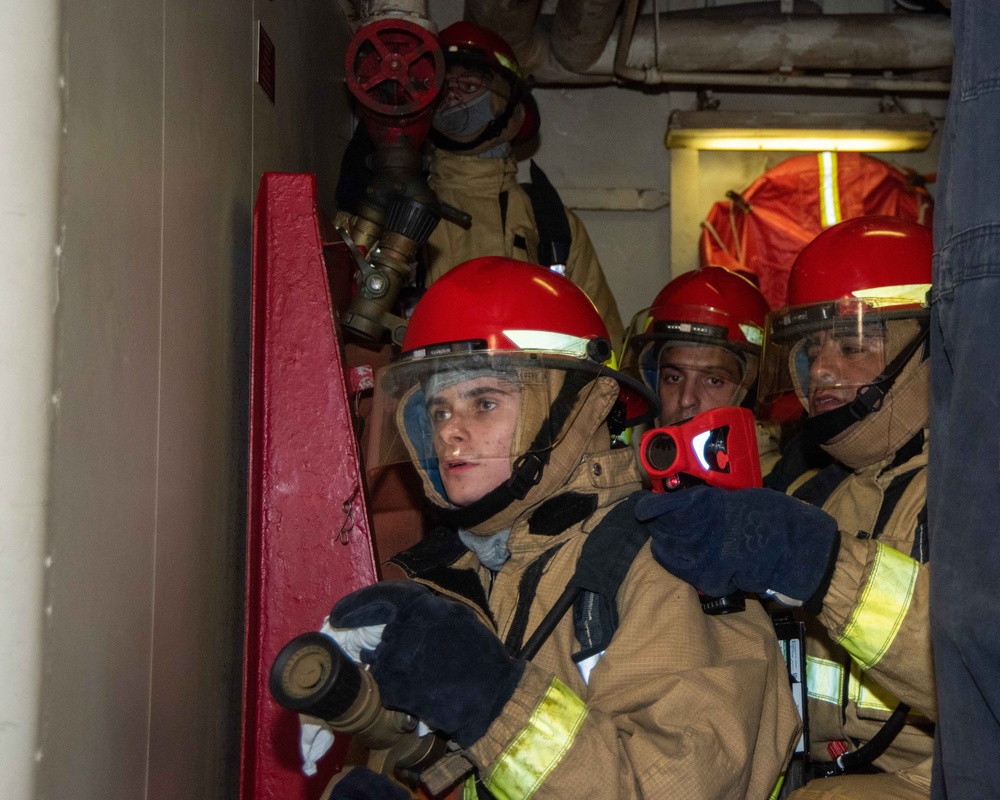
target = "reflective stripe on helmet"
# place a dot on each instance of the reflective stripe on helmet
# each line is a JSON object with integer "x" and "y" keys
{"x": 754, "y": 333}
{"x": 914, "y": 294}
{"x": 539, "y": 746}
{"x": 552, "y": 342}
{"x": 886, "y": 599}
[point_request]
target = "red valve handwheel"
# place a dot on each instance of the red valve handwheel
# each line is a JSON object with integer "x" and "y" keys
{"x": 394, "y": 67}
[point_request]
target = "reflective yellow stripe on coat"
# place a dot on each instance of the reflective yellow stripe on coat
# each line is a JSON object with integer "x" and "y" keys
{"x": 884, "y": 603}
{"x": 540, "y": 745}
{"x": 825, "y": 681}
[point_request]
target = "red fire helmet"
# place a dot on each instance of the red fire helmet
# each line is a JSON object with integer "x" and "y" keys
{"x": 468, "y": 39}
{"x": 730, "y": 305}
{"x": 501, "y": 304}
{"x": 859, "y": 255}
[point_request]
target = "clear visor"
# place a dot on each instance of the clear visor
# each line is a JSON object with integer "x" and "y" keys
{"x": 464, "y": 418}
{"x": 825, "y": 352}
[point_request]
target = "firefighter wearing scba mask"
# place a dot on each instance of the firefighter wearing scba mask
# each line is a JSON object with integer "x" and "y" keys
{"x": 852, "y": 344}
{"x": 698, "y": 347}
{"x": 505, "y": 399}
{"x": 486, "y": 106}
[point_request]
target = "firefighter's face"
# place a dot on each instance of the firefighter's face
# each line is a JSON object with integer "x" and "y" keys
{"x": 840, "y": 363}
{"x": 696, "y": 379}
{"x": 473, "y": 426}
{"x": 461, "y": 86}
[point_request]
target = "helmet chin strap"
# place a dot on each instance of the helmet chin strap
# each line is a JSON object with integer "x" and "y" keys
{"x": 822, "y": 428}
{"x": 528, "y": 468}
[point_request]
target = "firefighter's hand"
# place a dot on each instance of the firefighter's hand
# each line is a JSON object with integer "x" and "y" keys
{"x": 377, "y": 604}
{"x": 757, "y": 540}
{"x": 438, "y": 662}
{"x": 362, "y": 783}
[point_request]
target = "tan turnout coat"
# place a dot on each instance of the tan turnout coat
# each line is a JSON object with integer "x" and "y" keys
{"x": 681, "y": 705}
{"x": 474, "y": 185}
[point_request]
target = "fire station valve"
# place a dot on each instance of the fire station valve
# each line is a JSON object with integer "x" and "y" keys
{"x": 395, "y": 70}
{"x": 312, "y": 676}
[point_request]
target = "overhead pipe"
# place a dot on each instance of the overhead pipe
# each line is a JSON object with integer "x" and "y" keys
{"x": 363, "y": 12}
{"x": 722, "y": 49}
{"x": 829, "y": 42}
{"x": 516, "y": 21}
{"x": 580, "y": 29}
{"x": 767, "y": 54}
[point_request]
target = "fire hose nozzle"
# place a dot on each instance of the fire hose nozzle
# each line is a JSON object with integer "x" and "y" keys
{"x": 312, "y": 676}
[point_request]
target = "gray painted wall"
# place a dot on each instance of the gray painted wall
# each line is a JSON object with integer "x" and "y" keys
{"x": 166, "y": 136}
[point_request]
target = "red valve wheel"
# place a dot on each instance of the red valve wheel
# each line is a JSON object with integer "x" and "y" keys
{"x": 394, "y": 67}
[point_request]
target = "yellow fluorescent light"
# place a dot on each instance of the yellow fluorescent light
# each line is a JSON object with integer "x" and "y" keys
{"x": 715, "y": 130}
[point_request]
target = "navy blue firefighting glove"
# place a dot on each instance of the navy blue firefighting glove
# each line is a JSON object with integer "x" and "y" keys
{"x": 362, "y": 783}
{"x": 436, "y": 660}
{"x": 757, "y": 540}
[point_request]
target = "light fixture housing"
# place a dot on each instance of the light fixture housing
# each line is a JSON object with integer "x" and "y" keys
{"x": 812, "y": 132}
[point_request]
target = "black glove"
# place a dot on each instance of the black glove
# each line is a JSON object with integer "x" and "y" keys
{"x": 362, "y": 783}
{"x": 436, "y": 661}
{"x": 757, "y": 540}
{"x": 376, "y": 604}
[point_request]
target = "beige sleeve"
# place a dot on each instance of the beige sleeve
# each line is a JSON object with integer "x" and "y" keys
{"x": 900, "y": 645}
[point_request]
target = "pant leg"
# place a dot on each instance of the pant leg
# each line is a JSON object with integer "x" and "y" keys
{"x": 887, "y": 786}
{"x": 964, "y": 491}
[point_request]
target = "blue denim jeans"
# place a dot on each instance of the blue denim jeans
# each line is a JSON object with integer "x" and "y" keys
{"x": 963, "y": 502}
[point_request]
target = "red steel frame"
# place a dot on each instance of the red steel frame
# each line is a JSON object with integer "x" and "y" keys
{"x": 309, "y": 532}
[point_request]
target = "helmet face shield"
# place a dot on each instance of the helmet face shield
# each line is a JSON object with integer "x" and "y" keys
{"x": 463, "y": 418}
{"x": 825, "y": 352}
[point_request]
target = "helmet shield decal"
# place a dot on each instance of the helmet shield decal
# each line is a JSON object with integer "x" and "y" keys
{"x": 464, "y": 418}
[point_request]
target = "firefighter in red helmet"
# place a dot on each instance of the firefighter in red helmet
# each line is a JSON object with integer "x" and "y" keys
{"x": 698, "y": 346}
{"x": 506, "y": 398}
{"x": 852, "y": 344}
{"x": 486, "y": 107}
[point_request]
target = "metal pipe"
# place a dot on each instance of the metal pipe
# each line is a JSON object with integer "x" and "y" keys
{"x": 720, "y": 49}
{"x": 777, "y": 81}
{"x": 411, "y": 10}
{"x": 515, "y": 21}
{"x": 580, "y": 29}
{"x": 831, "y": 42}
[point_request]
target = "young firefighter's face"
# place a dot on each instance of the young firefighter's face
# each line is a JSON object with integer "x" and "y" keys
{"x": 461, "y": 86}
{"x": 840, "y": 363}
{"x": 473, "y": 426}
{"x": 696, "y": 379}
